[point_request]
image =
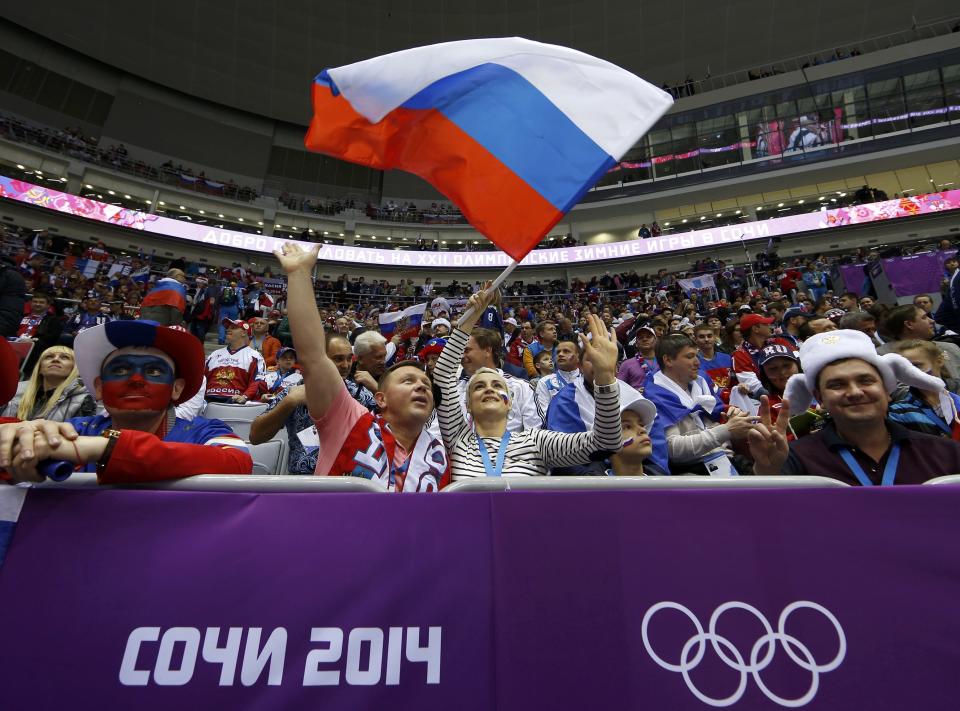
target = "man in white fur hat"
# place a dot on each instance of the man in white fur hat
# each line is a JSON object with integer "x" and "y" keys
{"x": 860, "y": 446}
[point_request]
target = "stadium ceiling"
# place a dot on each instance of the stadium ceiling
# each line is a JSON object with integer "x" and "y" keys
{"x": 262, "y": 56}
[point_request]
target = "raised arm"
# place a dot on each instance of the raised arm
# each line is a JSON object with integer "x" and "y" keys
{"x": 321, "y": 378}
{"x": 561, "y": 449}
{"x": 450, "y": 412}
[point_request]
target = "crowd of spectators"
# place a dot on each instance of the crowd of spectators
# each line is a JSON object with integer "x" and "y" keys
{"x": 704, "y": 375}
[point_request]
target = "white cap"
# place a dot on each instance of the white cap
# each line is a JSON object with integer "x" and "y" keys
{"x": 631, "y": 399}
{"x": 511, "y": 321}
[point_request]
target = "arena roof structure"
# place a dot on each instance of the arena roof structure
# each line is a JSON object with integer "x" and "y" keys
{"x": 261, "y": 57}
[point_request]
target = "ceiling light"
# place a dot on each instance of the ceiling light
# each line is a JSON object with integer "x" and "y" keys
{"x": 201, "y": 212}
{"x": 220, "y": 216}
{"x": 20, "y": 167}
{"x": 310, "y": 231}
{"x": 843, "y": 194}
{"x": 128, "y": 197}
{"x": 833, "y": 199}
{"x": 341, "y": 234}
{"x": 779, "y": 204}
{"x": 148, "y": 202}
{"x": 684, "y": 220}
{"x": 373, "y": 236}
{"x": 822, "y": 197}
{"x": 702, "y": 218}
{"x": 325, "y": 232}
{"x": 89, "y": 186}
{"x": 737, "y": 212}
{"x": 240, "y": 218}
{"x": 39, "y": 172}
{"x": 800, "y": 202}
{"x": 260, "y": 223}
{"x": 63, "y": 180}
{"x": 666, "y": 224}
{"x": 443, "y": 241}
{"x": 109, "y": 192}
{"x": 389, "y": 239}
{"x": 719, "y": 214}
{"x": 760, "y": 208}
{"x": 162, "y": 202}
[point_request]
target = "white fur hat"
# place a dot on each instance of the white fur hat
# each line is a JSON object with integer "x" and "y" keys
{"x": 822, "y": 349}
{"x": 438, "y": 321}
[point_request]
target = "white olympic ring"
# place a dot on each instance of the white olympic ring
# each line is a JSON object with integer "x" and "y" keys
{"x": 798, "y": 652}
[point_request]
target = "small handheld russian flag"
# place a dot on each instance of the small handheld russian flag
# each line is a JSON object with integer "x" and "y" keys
{"x": 407, "y": 321}
{"x": 514, "y": 132}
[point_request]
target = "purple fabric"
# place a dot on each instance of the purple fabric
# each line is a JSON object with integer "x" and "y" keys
{"x": 916, "y": 274}
{"x": 541, "y": 597}
{"x": 854, "y": 279}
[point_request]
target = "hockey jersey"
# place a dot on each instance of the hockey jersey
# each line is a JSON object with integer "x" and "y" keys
{"x": 234, "y": 373}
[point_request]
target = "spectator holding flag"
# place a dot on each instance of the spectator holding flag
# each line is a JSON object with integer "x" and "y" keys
{"x": 487, "y": 447}
{"x": 167, "y": 301}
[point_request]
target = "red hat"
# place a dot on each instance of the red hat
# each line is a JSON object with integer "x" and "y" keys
{"x": 93, "y": 345}
{"x": 230, "y": 323}
{"x": 749, "y": 320}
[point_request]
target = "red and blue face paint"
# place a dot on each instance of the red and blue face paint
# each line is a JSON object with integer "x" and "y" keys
{"x": 137, "y": 382}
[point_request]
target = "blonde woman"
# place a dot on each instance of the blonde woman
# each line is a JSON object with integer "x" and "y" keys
{"x": 486, "y": 447}
{"x": 54, "y": 391}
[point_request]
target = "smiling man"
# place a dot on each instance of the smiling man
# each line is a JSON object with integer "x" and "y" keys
{"x": 141, "y": 371}
{"x": 568, "y": 370}
{"x": 860, "y": 445}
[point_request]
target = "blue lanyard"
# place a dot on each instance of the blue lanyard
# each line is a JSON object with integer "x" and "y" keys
{"x": 501, "y": 454}
{"x": 889, "y": 471}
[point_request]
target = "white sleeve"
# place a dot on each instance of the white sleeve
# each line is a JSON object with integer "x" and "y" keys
{"x": 530, "y": 414}
{"x": 543, "y": 394}
{"x": 193, "y": 408}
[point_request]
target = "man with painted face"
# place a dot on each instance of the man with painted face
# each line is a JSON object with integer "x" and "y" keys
{"x": 141, "y": 371}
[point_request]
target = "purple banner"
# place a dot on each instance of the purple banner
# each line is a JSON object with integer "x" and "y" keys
{"x": 916, "y": 274}
{"x": 838, "y": 217}
{"x": 828, "y": 599}
{"x": 854, "y": 279}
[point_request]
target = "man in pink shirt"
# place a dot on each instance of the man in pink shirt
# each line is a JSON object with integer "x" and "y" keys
{"x": 393, "y": 448}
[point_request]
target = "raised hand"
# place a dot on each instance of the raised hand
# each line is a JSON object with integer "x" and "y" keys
{"x": 601, "y": 349}
{"x": 768, "y": 442}
{"x": 476, "y": 305}
{"x": 293, "y": 258}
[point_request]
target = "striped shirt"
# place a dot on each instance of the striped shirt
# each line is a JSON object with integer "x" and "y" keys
{"x": 529, "y": 453}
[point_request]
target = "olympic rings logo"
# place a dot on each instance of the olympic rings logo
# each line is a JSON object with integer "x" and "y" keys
{"x": 799, "y": 653}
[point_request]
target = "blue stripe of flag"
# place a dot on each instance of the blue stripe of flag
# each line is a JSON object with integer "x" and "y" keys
{"x": 522, "y": 128}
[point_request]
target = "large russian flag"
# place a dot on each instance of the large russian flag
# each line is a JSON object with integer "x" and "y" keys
{"x": 512, "y": 131}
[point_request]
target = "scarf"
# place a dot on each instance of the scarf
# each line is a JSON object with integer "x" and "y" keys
{"x": 674, "y": 403}
{"x": 369, "y": 452}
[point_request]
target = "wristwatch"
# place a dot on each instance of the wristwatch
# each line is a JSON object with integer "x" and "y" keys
{"x": 608, "y": 388}
{"x": 112, "y": 437}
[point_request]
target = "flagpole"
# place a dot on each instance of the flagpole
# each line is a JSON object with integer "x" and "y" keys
{"x": 496, "y": 283}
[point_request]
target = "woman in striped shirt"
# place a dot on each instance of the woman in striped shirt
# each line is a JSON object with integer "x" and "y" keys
{"x": 487, "y": 448}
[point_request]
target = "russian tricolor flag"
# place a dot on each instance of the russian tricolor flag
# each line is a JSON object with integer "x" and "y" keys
{"x": 167, "y": 292}
{"x": 408, "y": 321}
{"x": 512, "y": 131}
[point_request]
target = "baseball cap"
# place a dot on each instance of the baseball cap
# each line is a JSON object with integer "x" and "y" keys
{"x": 231, "y": 323}
{"x": 284, "y": 350}
{"x": 748, "y": 321}
{"x": 776, "y": 350}
{"x": 631, "y": 399}
{"x": 795, "y": 311}
{"x": 511, "y": 321}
